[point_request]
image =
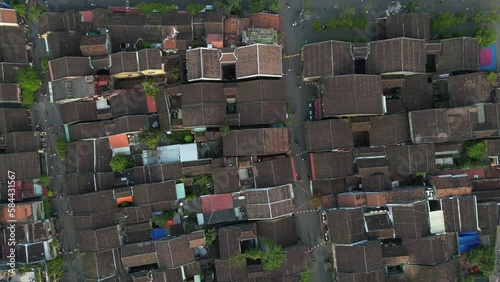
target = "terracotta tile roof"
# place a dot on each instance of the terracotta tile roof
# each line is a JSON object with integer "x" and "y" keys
{"x": 23, "y": 141}
{"x": 215, "y": 39}
{"x": 258, "y": 60}
{"x": 280, "y": 230}
{"x": 354, "y": 222}
{"x": 94, "y": 45}
{"x": 98, "y": 240}
{"x": 226, "y": 180}
{"x": 78, "y": 111}
{"x": 448, "y": 271}
{"x": 69, "y": 66}
{"x": 458, "y": 54}
{"x": 468, "y": 89}
{"x": 88, "y": 156}
{"x": 25, "y": 165}
{"x": 174, "y": 252}
{"x": 376, "y": 183}
{"x": 8, "y": 71}
{"x": 395, "y": 55}
{"x": 332, "y": 164}
{"x": 269, "y": 202}
{"x": 226, "y": 272}
{"x": 203, "y": 63}
{"x": 211, "y": 203}
{"x": 327, "y": 58}
{"x": 101, "y": 264}
{"x": 128, "y": 103}
{"x": 8, "y": 16}
{"x": 460, "y": 213}
{"x": 408, "y": 25}
{"x": 359, "y": 258}
{"x": 432, "y": 250}
{"x": 262, "y": 141}
{"x": 409, "y": 221}
{"x": 203, "y": 104}
{"x": 410, "y": 159}
{"x": 135, "y": 255}
{"x": 487, "y": 214}
{"x": 449, "y": 187}
{"x": 261, "y": 102}
{"x": 352, "y": 95}
{"x": 378, "y": 275}
{"x": 417, "y": 94}
{"x": 389, "y": 130}
{"x": 274, "y": 172}
{"x": 327, "y": 135}
{"x": 265, "y": 20}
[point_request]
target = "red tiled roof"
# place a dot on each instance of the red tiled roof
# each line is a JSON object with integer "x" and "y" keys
{"x": 169, "y": 44}
{"x": 151, "y": 104}
{"x": 265, "y": 20}
{"x": 118, "y": 141}
{"x": 215, "y": 203}
{"x": 87, "y": 16}
{"x": 215, "y": 39}
{"x": 8, "y": 16}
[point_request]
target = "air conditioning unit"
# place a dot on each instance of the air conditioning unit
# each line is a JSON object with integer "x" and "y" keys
{"x": 89, "y": 79}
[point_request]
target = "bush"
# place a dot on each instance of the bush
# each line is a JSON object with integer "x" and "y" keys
{"x": 412, "y": 7}
{"x": 228, "y": 6}
{"x": 180, "y": 137}
{"x": 121, "y": 162}
{"x": 176, "y": 73}
{"x": 332, "y": 23}
{"x": 161, "y": 220}
{"x": 224, "y": 130}
{"x": 45, "y": 64}
{"x": 194, "y": 8}
{"x": 484, "y": 257}
{"x": 475, "y": 150}
{"x": 44, "y": 180}
{"x": 488, "y": 17}
{"x": 20, "y": 9}
{"x": 256, "y": 6}
{"x": 36, "y": 12}
{"x": 274, "y": 6}
{"x": 360, "y": 21}
{"x": 55, "y": 268}
{"x": 307, "y": 7}
{"x": 491, "y": 78}
{"x": 151, "y": 138}
{"x": 61, "y": 148}
{"x": 486, "y": 36}
{"x": 306, "y": 275}
{"x": 210, "y": 236}
{"x": 271, "y": 255}
{"x": 316, "y": 25}
{"x": 445, "y": 20}
{"x": 238, "y": 260}
{"x": 29, "y": 81}
{"x": 150, "y": 88}
{"x": 315, "y": 201}
{"x": 155, "y": 7}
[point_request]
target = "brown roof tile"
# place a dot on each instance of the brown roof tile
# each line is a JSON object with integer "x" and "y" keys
{"x": 458, "y": 54}
{"x": 487, "y": 214}
{"x": 78, "y": 111}
{"x": 352, "y": 95}
{"x": 280, "y": 230}
{"x": 10, "y": 93}
{"x": 24, "y": 141}
{"x": 417, "y": 94}
{"x": 98, "y": 240}
{"x": 269, "y": 202}
{"x": 410, "y": 159}
{"x": 332, "y": 164}
{"x": 359, "y": 258}
{"x": 408, "y": 25}
{"x": 327, "y": 58}
{"x": 174, "y": 252}
{"x": 203, "y": 63}
{"x": 258, "y": 60}
{"x": 460, "y": 213}
{"x": 409, "y": 221}
{"x": 69, "y": 66}
{"x": 354, "y": 222}
{"x": 265, "y": 20}
{"x": 469, "y": 89}
{"x": 327, "y": 135}
{"x": 263, "y": 141}
{"x": 261, "y": 102}
{"x": 448, "y": 271}
{"x": 88, "y": 156}
{"x": 100, "y": 265}
{"x": 273, "y": 173}
{"x": 26, "y": 165}
{"x": 376, "y": 183}
{"x": 431, "y": 250}
{"x": 8, "y": 16}
{"x": 389, "y": 130}
{"x": 226, "y": 180}
{"x": 396, "y": 55}
{"x": 95, "y": 45}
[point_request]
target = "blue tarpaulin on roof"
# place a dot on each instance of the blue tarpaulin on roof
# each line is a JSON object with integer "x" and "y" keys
{"x": 158, "y": 233}
{"x": 468, "y": 241}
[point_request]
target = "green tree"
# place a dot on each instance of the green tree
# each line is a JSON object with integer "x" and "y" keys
{"x": 119, "y": 162}
{"x": 360, "y": 21}
{"x": 475, "y": 150}
{"x": 316, "y": 25}
{"x": 489, "y": 17}
{"x": 443, "y": 20}
{"x": 151, "y": 138}
{"x": 202, "y": 181}
{"x": 29, "y": 81}
{"x": 486, "y": 36}
{"x": 155, "y": 7}
{"x": 228, "y": 6}
{"x": 50, "y": 193}
{"x": 224, "y": 130}
{"x": 412, "y": 7}
{"x": 332, "y": 23}
{"x": 210, "y": 236}
{"x": 306, "y": 275}
{"x": 44, "y": 180}
{"x": 20, "y": 9}
{"x": 45, "y": 64}
{"x": 194, "y": 8}
{"x": 55, "y": 268}
{"x": 176, "y": 73}
{"x": 256, "y": 6}
{"x": 491, "y": 78}
{"x": 61, "y": 148}
{"x": 460, "y": 18}
{"x": 150, "y": 88}
{"x": 238, "y": 260}
{"x": 274, "y": 6}
{"x": 315, "y": 201}
{"x": 161, "y": 220}
{"x": 368, "y": 6}
{"x": 271, "y": 255}
{"x": 36, "y": 11}
{"x": 346, "y": 19}
{"x": 484, "y": 257}
{"x": 188, "y": 138}
{"x": 307, "y": 7}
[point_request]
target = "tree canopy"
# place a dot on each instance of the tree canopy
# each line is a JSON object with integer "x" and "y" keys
{"x": 44, "y": 180}
{"x": 256, "y": 6}
{"x": 151, "y": 138}
{"x": 194, "y": 8}
{"x": 348, "y": 19}
{"x": 487, "y": 17}
{"x": 121, "y": 162}
{"x": 445, "y": 20}
{"x": 210, "y": 236}
{"x": 486, "y": 36}
{"x": 36, "y": 11}
{"x": 61, "y": 148}
{"x": 20, "y": 9}
{"x": 228, "y": 6}
{"x": 55, "y": 268}
{"x": 155, "y": 7}
{"x": 270, "y": 254}
{"x": 274, "y": 6}
{"x": 484, "y": 257}
{"x": 150, "y": 88}
{"x": 29, "y": 81}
